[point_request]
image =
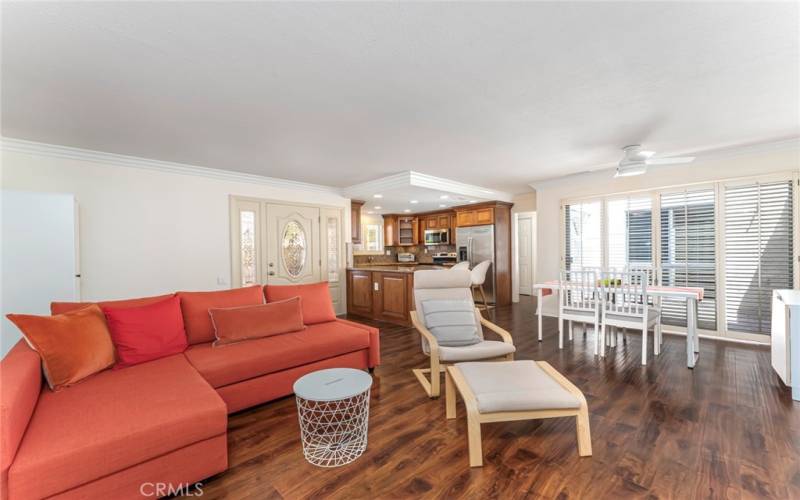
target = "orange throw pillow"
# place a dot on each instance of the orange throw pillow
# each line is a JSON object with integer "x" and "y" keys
{"x": 72, "y": 345}
{"x": 235, "y": 324}
{"x": 195, "y": 306}
{"x": 317, "y": 303}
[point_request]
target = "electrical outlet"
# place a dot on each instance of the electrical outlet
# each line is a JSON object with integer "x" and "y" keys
{"x": 388, "y": 252}
{"x": 222, "y": 281}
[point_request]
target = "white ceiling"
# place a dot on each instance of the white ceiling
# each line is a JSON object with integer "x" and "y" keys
{"x": 491, "y": 94}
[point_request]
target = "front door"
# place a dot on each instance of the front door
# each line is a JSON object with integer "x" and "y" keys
{"x": 293, "y": 245}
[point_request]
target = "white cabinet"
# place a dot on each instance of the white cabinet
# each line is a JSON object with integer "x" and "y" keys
{"x": 786, "y": 338}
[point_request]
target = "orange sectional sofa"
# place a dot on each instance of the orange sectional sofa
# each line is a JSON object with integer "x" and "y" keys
{"x": 163, "y": 421}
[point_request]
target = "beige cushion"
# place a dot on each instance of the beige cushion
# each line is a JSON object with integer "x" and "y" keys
{"x": 452, "y": 322}
{"x": 442, "y": 285}
{"x": 483, "y": 350}
{"x": 515, "y": 386}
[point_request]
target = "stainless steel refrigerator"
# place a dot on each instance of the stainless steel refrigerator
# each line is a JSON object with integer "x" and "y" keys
{"x": 476, "y": 244}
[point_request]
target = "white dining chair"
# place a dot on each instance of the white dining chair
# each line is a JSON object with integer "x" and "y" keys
{"x": 461, "y": 266}
{"x": 478, "y": 275}
{"x": 625, "y": 305}
{"x": 651, "y": 277}
{"x": 578, "y": 300}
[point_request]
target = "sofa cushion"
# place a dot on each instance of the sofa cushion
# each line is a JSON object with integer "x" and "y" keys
{"x": 195, "y": 306}
{"x": 72, "y": 345}
{"x": 233, "y": 363}
{"x": 237, "y": 324}
{"x": 317, "y": 303}
{"x": 62, "y": 307}
{"x": 114, "y": 420}
{"x": 148, "y": 332}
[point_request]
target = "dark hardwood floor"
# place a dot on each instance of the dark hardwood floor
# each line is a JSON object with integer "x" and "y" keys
{"x": 727, "y": 429}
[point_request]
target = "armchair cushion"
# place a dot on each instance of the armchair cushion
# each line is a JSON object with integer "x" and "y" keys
{"x": 485, "y": 349}
{"x": 452, "y": 322}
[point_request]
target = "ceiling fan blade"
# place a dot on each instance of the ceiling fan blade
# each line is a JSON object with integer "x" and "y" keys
{"x": 669, "y": 161}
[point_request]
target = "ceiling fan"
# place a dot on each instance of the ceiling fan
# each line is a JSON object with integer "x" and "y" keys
{"x": 635, "y": 161}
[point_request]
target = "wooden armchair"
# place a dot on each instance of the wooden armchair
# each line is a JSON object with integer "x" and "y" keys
{"x": 452, "y": 285}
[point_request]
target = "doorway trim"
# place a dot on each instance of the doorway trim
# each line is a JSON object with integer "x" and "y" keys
{"x": 236, "y": 201}
{"x": 516, "y": 216}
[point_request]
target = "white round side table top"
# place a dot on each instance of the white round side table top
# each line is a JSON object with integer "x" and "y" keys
{"x": 332, "y": 384}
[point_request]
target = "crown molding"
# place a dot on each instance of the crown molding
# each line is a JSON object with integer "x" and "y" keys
{"x": 409, "y": 178}
{"x": 70, "y": 153}
{"x": 709, "y": 154}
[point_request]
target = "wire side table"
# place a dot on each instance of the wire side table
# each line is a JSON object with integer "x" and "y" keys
{"x": 333, "y": 410}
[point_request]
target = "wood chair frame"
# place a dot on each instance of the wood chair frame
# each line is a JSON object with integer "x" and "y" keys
{"x": 432, "y": 385}
{"x": 454, "y": 377}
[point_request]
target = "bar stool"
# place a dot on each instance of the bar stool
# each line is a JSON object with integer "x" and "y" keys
{"x": 463, "y": 266}
{"x": 478, "y": 275}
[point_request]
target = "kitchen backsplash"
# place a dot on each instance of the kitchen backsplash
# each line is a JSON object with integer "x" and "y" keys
{"x": 418, "y": 251}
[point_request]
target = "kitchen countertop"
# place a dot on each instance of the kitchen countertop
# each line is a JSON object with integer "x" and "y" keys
{"x": 394, "y": 268}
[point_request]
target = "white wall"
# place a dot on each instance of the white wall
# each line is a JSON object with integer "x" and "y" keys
{"x": 550, "y": 193}
{"x": 148, "y": 231}
{"x": 38, "y": 256}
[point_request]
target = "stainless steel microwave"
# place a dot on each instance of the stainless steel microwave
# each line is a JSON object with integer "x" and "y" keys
{"x": 437, "y": 236}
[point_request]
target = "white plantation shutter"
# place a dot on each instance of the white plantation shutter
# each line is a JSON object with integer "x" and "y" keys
{"x": 688, "y": 253}
{"x": 630, "y": 232}
{"x": 583, "y": 226}
{"x": 758, "y": 252}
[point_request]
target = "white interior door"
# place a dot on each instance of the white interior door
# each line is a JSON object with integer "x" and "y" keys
{"x": 525, "y": 255}
{"x": 39, "y": 255}
{"x": 293, "y": 244}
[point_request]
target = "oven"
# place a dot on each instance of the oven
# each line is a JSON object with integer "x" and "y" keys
{"x": 437, "y": 236}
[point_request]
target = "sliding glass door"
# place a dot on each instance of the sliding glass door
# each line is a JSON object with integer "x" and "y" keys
{"x": 584, "y": 235}
{"x": 688, "y": 252}
{"x": 759, "y": 249}
{"x": 736, "y": 239}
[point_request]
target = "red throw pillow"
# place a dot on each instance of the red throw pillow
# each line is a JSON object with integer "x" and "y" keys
{"x": 316, "y": 300}
{"x": 235, "y": 324}
{"x": 195, "y": 306}
{"x": 145, "y": 333}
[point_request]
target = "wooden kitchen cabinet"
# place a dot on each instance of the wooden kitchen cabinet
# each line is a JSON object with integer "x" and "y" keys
{"x": 355, "y": 221}
{"x": 443, "y": 221}
{"x": 407, "y": 231}
{"x": 390, "y": 231}
{"x": 383, "y": 296}
{"x": 390, "y": 297}
{"x": 475, "y": 217}
{"x": 359, "y": 293}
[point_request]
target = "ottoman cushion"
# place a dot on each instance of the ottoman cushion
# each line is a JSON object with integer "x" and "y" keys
{"x": 515, "y": 386}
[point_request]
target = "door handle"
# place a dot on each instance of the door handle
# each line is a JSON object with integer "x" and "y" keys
{"x": 271, "y": 273}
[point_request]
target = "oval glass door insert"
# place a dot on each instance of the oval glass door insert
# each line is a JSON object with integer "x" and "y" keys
{"x": 294, "y": 248}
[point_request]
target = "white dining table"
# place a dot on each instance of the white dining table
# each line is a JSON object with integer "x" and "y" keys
{"x": 692, "y": 295}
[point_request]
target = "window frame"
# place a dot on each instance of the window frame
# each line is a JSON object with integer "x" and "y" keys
{"x": 718, "y": 185}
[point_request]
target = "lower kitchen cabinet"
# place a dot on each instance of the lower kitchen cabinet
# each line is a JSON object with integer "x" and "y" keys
{"x": 380, "y": 295}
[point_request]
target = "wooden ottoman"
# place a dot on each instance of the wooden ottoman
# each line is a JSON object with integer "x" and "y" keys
{"x": 505, "y": 391}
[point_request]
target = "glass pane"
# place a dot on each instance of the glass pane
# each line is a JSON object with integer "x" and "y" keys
{"x": 584, "y": 226}
{"x": 294, "y": 248}
{"x": 333, "y": 249}
{"x": 247, "y": 234}
{"x": 373, "y": 238}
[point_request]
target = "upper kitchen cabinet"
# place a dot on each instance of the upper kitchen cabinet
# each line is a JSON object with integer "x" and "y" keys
{"x": 474, "y": 216}
{"x": 355, "y": 221}
{"x": 407, "y": 231}
{"x": 390, "y": 238}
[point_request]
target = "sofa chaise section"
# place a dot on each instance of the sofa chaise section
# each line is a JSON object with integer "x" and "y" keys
{"x": 160, "y": 420}
{"x": 257, "y": 371}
